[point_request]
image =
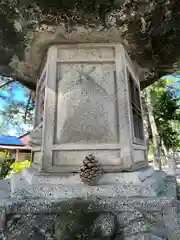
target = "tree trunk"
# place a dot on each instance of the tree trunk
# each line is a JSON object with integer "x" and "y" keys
{"x": 165, "y": 152}
{"x": 154, "y": 130}
{"x": 146, "y": 132}
{"x": 164, "y": 148}
{"x": 145, "y": 122}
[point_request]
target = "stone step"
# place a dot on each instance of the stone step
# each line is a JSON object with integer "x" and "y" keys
{"x": 35, "y": 177}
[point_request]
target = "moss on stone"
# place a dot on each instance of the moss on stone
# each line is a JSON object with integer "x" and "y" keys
{"x": 74, "y": 222}
{"x": 150, "y": 31}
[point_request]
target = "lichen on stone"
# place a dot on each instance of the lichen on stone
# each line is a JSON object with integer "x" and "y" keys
{"x": 149, "y": 30}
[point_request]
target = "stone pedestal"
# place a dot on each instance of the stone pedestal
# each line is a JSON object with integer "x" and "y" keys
{"x": 140, "y": 205}
{"x": 142, "y": 183}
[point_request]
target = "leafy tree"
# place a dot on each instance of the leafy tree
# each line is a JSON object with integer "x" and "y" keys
{"x": 5, "y": 168}
{"x": 152, "y": 125}
{"x": 17, "y": 167}
{"x": 166, "y": 111}
{"x": 17, "y": 108}
{"x": 162, "y": 111}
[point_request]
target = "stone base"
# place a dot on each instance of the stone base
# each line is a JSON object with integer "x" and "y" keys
{"x": 132, "y": 218}
{"x": 138, "y": 205}
{"x": 31, "y": 183}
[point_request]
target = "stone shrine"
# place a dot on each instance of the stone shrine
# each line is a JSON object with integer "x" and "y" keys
{"x": 88, "y": 108}
{"x": 88, "y": 102}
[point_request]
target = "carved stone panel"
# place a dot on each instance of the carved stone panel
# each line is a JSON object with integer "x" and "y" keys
{"x": 86, "y": 103}
{"x": 71, "y": 160}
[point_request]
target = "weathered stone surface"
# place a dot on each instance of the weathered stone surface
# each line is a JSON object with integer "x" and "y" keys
{"x": 124, "y": 218}
{"x": 175, "y": 235}
{"x": 86, "y": 109}
{"x": 74, "y": 223}
{"x": 145, "y": 236}
{"x": 2, "y": 217}
{"x": 4, "y": 189}
{"x": 105, "y": 226}
{"x": 85, "y": 105}
{"x": 30, "y": 226}
{"x": 153, "y": 237}
{"x": 33, "y": 176}
{"x": 150, "y": 183}
{"x": 38, "y": 217}
{"x": 36, "y": 137}
{"x": 138, "y": 226}
{"x": 145, "y": 27}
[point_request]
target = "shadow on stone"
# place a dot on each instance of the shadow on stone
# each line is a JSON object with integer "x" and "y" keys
{"x": 76, "y": 222}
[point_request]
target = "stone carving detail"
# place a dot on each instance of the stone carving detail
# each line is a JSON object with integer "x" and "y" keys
{"x": 86, "y": 112}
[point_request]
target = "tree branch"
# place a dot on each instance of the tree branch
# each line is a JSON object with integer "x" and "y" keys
{"x": 28, "y": 103}
{"x": 6, "y": 83}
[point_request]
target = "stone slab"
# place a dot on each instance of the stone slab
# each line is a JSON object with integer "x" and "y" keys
{"x": 70, "y": 186}
{"x": 116, "y": 204}
{"x": 33, "y": 176}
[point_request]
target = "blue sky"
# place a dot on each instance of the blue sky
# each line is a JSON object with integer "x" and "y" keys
{"x": 19, "y": 94}
{"x": 16, "y": 93}
{"x": 176, "y": 79}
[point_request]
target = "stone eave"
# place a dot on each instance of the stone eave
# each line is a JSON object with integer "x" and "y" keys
{"x": 149, "y": 30}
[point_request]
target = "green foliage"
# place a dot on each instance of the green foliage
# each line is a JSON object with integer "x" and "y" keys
{"x": 5, "y": 154}
{"x": 165, "y": 103}
{"x": 17, "y": 111}
{"x": 5, "y": 167}
{"x": 5, "y": 163}
{"x": 17, "y": 167}
{"x": 8, "y": 167}
{"x": 166, "y": 111}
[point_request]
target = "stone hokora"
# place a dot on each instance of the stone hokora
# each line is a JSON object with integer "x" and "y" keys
{"x": 85, "y": 110}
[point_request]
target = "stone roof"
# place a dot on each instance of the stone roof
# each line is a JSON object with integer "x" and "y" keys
{"x": 150, "y": 31}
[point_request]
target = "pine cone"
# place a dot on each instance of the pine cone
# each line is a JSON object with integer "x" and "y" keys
{"x": 90, "y": 170}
